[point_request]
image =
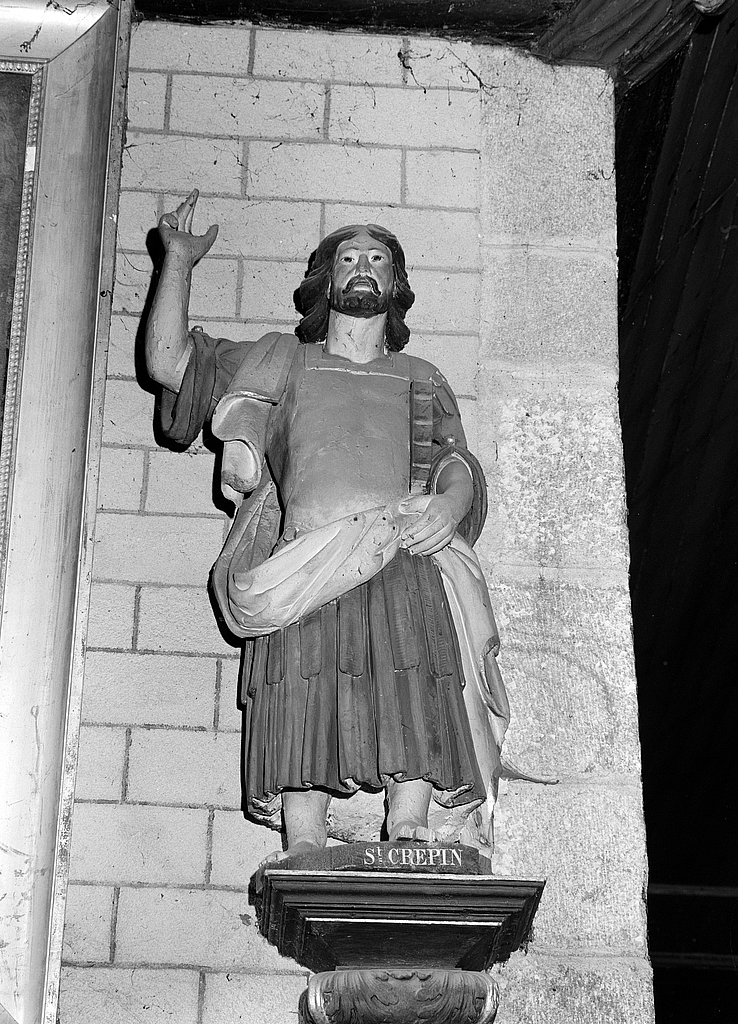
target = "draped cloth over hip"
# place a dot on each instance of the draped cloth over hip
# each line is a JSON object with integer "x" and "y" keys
{"x": 365, "y": 689}
{"x": 393, "y": 678}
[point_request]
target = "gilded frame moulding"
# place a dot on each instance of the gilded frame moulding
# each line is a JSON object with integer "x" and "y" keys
{"x": 9, "y": 421}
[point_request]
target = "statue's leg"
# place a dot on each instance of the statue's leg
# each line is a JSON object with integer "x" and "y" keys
{"x": 407, "y": 817}
{"x": 305, "y": 812}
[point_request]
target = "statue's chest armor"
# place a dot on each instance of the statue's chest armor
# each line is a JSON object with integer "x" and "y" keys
{"x": 341, "y": 437}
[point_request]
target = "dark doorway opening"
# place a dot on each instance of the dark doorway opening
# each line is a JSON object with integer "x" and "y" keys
{"x": 677, "y": 162}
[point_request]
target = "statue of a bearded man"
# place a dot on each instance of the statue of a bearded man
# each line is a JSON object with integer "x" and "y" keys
{"x": 370, "y": 642}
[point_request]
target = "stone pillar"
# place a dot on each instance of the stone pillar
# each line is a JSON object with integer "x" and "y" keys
{"x": 556, "y": 542}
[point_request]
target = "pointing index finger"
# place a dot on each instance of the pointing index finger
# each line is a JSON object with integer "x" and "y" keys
{"x": 186, "y": 209}
{"x": 191, "y": 202}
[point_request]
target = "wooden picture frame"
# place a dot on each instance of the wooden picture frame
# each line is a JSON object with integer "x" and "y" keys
{"x": 73, "y": 59}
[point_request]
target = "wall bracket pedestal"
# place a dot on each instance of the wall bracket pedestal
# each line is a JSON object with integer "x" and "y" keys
{"x": 399, "y": 932}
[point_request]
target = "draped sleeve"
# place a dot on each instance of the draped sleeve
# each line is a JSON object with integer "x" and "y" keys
{"x": 446, "y": 416}
{"x": 449, "y": 444}
{"x": 211, "y": 367}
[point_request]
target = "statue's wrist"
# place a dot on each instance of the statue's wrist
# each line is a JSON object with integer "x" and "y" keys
{"x": 180, "y": 260}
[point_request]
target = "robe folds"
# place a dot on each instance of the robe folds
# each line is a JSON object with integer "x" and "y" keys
{"x": 362, "y": 662}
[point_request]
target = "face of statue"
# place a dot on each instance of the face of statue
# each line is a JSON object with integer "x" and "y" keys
{"x": 363, "y": 277}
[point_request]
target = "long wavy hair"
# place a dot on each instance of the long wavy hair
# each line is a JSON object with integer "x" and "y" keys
{"x": 311, "y": 296}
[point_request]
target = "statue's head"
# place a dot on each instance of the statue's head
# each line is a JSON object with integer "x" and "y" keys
{"x": 360, "y": 271}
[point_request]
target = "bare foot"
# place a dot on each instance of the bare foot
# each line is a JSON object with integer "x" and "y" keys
{"x": 279, "y": 855}
{"x": 273, "y": 858}
{"x": 411, "y": 831}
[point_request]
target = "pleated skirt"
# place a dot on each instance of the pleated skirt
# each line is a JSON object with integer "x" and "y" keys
{"x": 366, "y": 689}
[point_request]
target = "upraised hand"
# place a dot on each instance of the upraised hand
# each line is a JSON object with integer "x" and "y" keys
{"x": 175, "y": 230}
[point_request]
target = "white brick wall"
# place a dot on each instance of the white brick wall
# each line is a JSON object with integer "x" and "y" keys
{"x": 183, "y": 48}
{"x": 331, "y": 58}
{"x": 444, "y": 302}
{"x": 179, "y": 619}
{"x": 112, "y": 616}
{"x": 149, "y": 689}
{"x": 212, "y": 928}
{"x": 164, "y": 162}
{"x": 315, "y": 170}
{"x": 237, "y": 849}
{"x": 96, "y": 995}
{"x": 121, "y": 479}
{"x": 121, "y": 350}
{"x": 88, "y": 923}
{"x": 155, "y": 549}
{"x": 430, "y": 238}
{"x": 427, "y": 119}
{"x": 239, "y": 107}
{"x": 177, "y": 766}
{"x": 442, "y": 177}
{"x": 267, "y": 289}
{"x": 170, "y": 490}
{"x": 147, "y": 99}
{"x": 101, "y": 764}
{"x": 251, "y": 998}
{"x": 123, "y": 842}
{"x": 288, "y": 135}
{"x": 276, "y": 230}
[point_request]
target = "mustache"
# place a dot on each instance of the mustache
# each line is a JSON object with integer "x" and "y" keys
{"x": 364, "y": 278}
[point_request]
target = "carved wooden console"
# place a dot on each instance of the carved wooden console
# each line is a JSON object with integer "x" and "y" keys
{"x": 400, "y": 997}
{"x": 398, "y": 932}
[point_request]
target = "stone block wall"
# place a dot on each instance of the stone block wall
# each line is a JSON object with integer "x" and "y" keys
{"x": 496, "y": 173}
{"x": 556, "y": 540}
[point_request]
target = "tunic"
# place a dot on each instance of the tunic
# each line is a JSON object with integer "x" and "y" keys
{"x": 369, "y": 687}
{"x": 339, "y": 439}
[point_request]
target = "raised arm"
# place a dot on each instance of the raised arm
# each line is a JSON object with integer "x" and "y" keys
{"x": 167, "y": 342}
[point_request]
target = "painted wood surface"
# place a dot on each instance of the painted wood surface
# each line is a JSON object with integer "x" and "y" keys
{"x": 632, "y": 37}
{"x": 511, "y": 21}
{"x": 44, "y": 599}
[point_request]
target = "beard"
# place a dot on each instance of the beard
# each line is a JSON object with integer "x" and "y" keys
{"x": 356, "y": 299}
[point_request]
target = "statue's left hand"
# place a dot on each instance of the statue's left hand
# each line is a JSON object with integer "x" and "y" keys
{"x": 435, "y": 526}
